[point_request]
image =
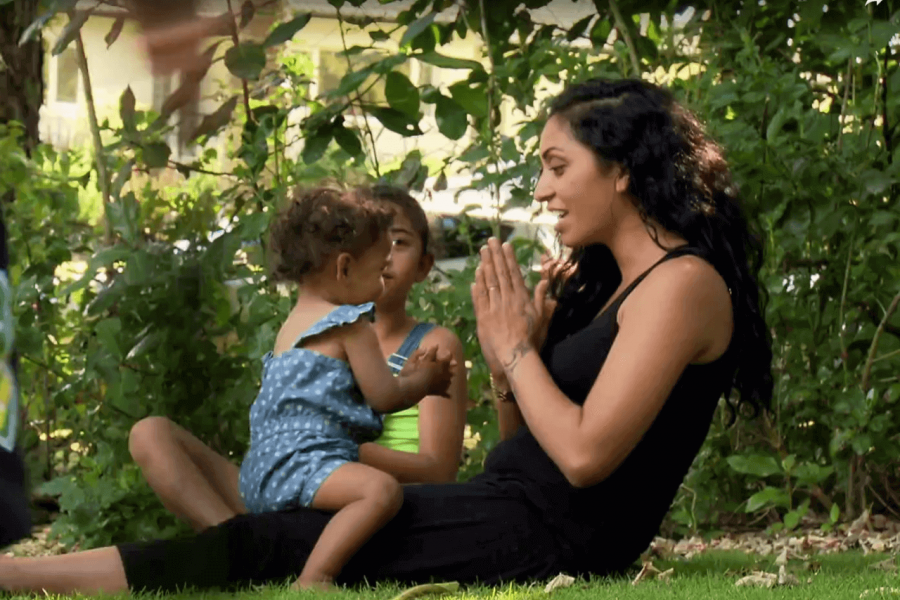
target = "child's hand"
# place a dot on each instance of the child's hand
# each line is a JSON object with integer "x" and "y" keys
{"x": 434, "y": 367}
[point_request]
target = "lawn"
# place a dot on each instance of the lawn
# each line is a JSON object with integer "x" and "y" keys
{"x": 711, "y": 575}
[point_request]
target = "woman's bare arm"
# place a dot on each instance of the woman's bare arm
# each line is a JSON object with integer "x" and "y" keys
{"x": 680, "y": 314}
{"x": 651, "y": 351}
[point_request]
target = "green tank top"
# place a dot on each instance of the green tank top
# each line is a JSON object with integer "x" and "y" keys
{"x": 401, "y": 429}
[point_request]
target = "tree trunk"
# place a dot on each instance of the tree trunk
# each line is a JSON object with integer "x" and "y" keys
{"x": 21, "y": 70}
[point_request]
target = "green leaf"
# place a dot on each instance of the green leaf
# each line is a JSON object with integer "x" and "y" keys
{"x": 145, "y": 343}
{"x": 600, "y": 31}
{"x": 812, "y": 474}
{"x": 775, "y": 125}
{"x": 417, "y": 27}
{"x": 875, "y": 181}
{"x": 758, "y": 465}
{"x": 138, "y": 268}
{"x": 862, "y": 444}
{"x": 127, "y": 110}
{"x": 315, "y": 145}
{"x": 246, "y": 61}
{"x": 394, "y": 120}
{"x": 156, "y": 155}
{"x": 579, "y": 28}
{"x": 448, "y": 62}
{"x": 286, "y": 31}
{"x": 211, "y": 124}
{"x": 102, "y": 258}
{"x": 401, "y": 93}
{"x": 351, "y": 82}
{"x": 248, "y": 11}
{"x": 452, "y": 120}
{"x": 792, "y": 519}
{"x": 114, "y": 32}
{"x": 123, "y": 217}
{"x": 122, "y": 177}
{"x": 55, "y": 7}
{"x": 107, "y": 330}
{"x": 348, "y": 140}
{"x": 835, "y": 513}
{"x": 378, "y": 35}
{"x": 70, "y": 31}
{"x": 473, "y": 100}
{"x": 769, "y": 496}
{"x": 789, "y": 462}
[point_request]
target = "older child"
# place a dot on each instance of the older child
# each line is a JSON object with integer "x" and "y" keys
{"x": 419, "y": 445}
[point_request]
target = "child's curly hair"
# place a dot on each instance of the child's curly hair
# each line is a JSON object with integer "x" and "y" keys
{"x": 319, "y": 223}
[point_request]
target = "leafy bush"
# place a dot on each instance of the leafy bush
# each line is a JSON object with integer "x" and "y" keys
{"x": 174, "y": 310}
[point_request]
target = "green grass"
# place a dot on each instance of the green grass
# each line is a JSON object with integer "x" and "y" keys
{"x": 711, "y": 575}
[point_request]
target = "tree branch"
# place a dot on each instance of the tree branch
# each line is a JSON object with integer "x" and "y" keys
{"x": 102, "y": 175}
{"x": 235, "y": 37}
{"x": 867, "y": 373}
{"x": 866, "y": 308}
{"x": 888, "y": 139}
{"x": 622, "y": 27}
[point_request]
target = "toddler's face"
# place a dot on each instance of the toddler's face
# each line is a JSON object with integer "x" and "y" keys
{"x": 367, "y": 282}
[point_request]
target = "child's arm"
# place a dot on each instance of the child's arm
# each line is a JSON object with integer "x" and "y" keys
{"x": 382, "y": 391}
{"x": 442, "y": 423}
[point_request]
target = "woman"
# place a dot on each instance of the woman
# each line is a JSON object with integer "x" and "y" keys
{"x": 658, "y": 316}
{"x": 419, "y": 445}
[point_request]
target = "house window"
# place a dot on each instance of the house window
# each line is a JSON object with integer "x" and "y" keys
{"x": 66, "y": 77}
{"x": 333, "y": 66}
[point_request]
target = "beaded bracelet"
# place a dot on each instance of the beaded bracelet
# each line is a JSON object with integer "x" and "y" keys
{"x": 500, "y": 394}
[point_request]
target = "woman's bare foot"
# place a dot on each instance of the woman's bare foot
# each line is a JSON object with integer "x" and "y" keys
{"x": 308, "y": 582}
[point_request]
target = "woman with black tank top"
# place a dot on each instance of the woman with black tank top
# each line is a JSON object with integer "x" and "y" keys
{"x": 608, "y": 377}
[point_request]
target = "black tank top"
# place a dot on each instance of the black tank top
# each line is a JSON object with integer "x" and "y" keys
{"x": 607, "y": 526}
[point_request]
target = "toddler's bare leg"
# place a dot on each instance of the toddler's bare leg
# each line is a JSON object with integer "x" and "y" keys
{"x": 193, "y": 482}
{"x": 364, "y": 499}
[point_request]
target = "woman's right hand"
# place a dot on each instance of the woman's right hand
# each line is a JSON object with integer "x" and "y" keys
{"x": 544, "y": 307}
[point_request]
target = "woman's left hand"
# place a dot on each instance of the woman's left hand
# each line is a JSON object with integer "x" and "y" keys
{"x": 509, "y": 320}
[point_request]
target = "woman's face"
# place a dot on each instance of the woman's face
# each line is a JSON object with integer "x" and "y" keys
{"x": 574, "y": 185}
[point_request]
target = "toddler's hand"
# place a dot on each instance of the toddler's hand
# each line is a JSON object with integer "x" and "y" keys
{"x": 434, "y": 366}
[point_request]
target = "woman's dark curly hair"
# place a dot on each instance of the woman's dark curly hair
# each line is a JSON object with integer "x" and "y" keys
{"x": 319, "y": 223}
{"x": 679, "y": 180}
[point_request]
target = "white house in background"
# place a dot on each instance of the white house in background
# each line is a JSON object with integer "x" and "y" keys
{"x": 123, "y": 64}
{"x": 112, "y": 69}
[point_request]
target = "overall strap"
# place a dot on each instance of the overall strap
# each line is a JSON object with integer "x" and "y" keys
{"x": 409, "y": 345}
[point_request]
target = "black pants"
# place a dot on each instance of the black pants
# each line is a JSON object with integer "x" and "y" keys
{"x": 465, "y": 532}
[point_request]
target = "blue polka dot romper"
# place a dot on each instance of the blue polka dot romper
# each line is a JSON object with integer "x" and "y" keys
{"x": 308, "y": 419}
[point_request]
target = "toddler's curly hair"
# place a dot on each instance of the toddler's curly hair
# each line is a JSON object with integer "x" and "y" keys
{"x": 319, "y": 223}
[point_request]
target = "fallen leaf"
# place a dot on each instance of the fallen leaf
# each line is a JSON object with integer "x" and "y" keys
{"x": 861, "y": 523}
{"x": 785, "y": 578}
{"x": 882, "y": 591}
{"x": 560, "y": 581}
{"x": 782, "y": 558}
{"x": 647, "y": 572}
{"x": 758, "y": 579}
{"x": 889, "y": 565}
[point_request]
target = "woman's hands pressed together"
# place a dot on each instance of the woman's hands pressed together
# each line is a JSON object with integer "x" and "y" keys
{"x": 510, "y": 322}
